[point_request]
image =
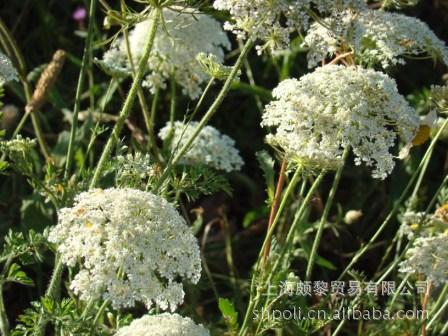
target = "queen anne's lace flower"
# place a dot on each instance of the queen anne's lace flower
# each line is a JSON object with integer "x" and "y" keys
{"x": 377, "y": 37}
{"x": 211, "y": 148}
{"x": 274, "y": 21}
{"x": 163, "y": 325}
{"x": 336, "y": 107}
{"x": 7, "y": 71}
{"x": 133, "y": 169}
{"x": 131, "y": 246}
{"x": 428, "y": 256}
{"x": 184, "y": 34}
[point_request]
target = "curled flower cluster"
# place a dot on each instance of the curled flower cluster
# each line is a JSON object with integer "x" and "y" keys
{"x": 184, "y": 34}
{"x": 131, "y": 246}
{"x": 376, "y": 37}
{"x": 428, "y": 256}
{"x": 163, "y": 325}
{"x": 7, "y": 71}
{"x": 316, "y": 117}
{"x": 274, "y": 21}
{"x": 210, "y": 148}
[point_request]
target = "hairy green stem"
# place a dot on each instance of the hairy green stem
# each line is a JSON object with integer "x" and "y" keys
{"x": 209, "y": 114}
{"x": 4, "y": 323}
{"x": 323, "y": 219}
{"x": 130, "y": 99}
{"x": 397, "y": 205}
{"x": 82, "y": 74}
{"x": 52, "y": 292}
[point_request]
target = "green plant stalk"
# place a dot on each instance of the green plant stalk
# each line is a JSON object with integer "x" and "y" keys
{"x": 201, "y": 99}
{"x": 437, "y": 315}
{"x": 397, "y": 205}
{"x": 173, "y": 102}
{"x": 155, "y": 100}
{"x": 413, "y": 199}
{"x": 52, "y": 292}
{"x": 254, "y": 300}
{"x": 130, "y": 99}
{"x": 144, "y": 106}
{"x": 4, "y": 323}
{"x": 399, "y": 288}
{"x": 323, "y": 219}
{"x": 297, "y": 218}
{"x": 439, "y": 301}
{"x": 282, "y": 205}
{"x": 82, "y": 74}
{"x": 100, "y": 312}
{"x": 188, "y": 118}
{"x": 209, "y": 114}
{"x": 94, "y": 131}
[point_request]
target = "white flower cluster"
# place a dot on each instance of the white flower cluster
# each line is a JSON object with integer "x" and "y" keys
{"x": 7, "y": 71}
{"x": 337, "y": 107}
{"x": 132, "y": 169}
{"x": 428, "y": 256}
{"x": 376, "y": 37}
{"x": 211, "y": 148}
{"x": 184, "y": 34}
{"x": 163, "y": 325}
{"x": 274, "y": 21}
{"x": 131, "y": 246}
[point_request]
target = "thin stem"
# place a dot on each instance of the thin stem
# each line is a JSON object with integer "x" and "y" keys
{"x": 323, "y": 219}
{"x": 424, "y": 306}
{"x": 142, "y": 101}
{"x": 201, "y": 100}
{"x": 209, "y": 114}
{"x": 275, "y": 205}
{"x": 129, "y": 102}
{"x": 282, "y": 205}
{"x": 100, "y": 312}
{"x": 84, "y": 64}
{"x": 297, "y": 217}
{"x": 173, "y": 103}
{"x": 437, "y": 315}
{"x": 4, "y": 323}
{"x": 52, "y": 292}
{"x": 397, "y": 205}
{"x": 254, "y": 300}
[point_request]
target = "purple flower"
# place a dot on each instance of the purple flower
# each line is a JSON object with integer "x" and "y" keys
{"x": 79, "y": 14}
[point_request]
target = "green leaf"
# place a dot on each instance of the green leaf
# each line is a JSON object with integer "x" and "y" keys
{"x": 15, "y": 274}
{"x": 229, "y": 313}
{"x": 254, "y": 215}
{"x": 325, "y": 263}
{"x": 266, "y": 163}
